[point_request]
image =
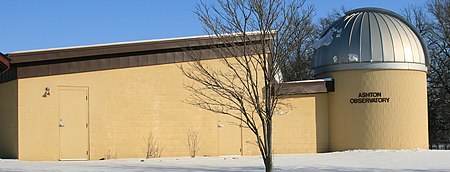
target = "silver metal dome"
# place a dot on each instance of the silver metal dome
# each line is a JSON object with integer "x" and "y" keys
{"x": 370, "y": 38}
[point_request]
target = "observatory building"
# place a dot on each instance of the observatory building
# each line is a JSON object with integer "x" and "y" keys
{"x": 108, "y": 100}
{"x": 379, "y": 63}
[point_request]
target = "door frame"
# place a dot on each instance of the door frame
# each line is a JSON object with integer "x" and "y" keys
{"x": 223, "y": 121}
{"x": 75, "y": 88}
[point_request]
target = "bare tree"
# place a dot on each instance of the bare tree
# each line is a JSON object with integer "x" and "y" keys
{"x": 299, "y": 64}
{"x": 440, "y": 43}
{"x": 439, "y": 73}
{"x": 257, "y": 37}
{"x": 433, "y": 23}
{"x": 328, "y": 20}
{"x": 153, "y": 147}
{"x": 193, "y": 142}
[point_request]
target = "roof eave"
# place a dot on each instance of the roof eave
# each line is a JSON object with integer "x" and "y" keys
{"x": 4, "y": 63}
{"x": 123, "y": 47}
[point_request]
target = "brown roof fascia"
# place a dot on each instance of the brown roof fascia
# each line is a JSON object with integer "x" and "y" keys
{"x": 4, "y": 63}
{"x": 178, "y": 44}
{"x": 306, "y": 87}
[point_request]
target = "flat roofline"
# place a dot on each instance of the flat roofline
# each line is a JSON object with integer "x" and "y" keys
{"x": 125, "y": 47}
{"x": 109, "y": 44}
{"x": 67, "y": 60}
{"x": 128, "y": 42}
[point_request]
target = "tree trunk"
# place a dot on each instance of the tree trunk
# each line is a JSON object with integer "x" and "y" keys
{"x": 268, "y": 162}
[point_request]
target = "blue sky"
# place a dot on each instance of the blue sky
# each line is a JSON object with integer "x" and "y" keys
{"x": 29, "y": 24}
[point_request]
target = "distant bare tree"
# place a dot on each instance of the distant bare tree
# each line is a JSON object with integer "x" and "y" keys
{"x": 245, "y": 88}
{"x": 417, "y": 16}
{"x": 440, "y": 44}
{"x": 439, "y": 73}
{"x": 299, "y": 65}
{"x": 433, "y": 23}
{"x": 331, "y": 17}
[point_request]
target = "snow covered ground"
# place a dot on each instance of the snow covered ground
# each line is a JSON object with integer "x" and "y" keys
{"x": 358, "y": 160}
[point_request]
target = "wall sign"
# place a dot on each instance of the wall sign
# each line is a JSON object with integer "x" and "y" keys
{"x": 370, "y": 97}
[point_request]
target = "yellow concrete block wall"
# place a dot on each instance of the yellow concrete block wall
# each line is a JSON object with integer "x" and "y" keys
{"x": 401, "y": 123}
{"x": 124, "y": 106}
{"x": 288, "y": 136}
{"x": 302, "y": 128}
{"x": 8, "y": 120}
{"x": 305, "y": 128}
{"x": 322, "y": 122}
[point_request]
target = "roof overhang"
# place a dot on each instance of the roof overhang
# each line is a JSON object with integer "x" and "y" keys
{"x": 67, "y": 60}
{"x": 172, "y": 44}
{"x": 315, "y": 86}
{"x": 4, "y": 63}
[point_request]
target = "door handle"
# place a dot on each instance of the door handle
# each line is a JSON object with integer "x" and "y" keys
{"x": 60, "y": 123}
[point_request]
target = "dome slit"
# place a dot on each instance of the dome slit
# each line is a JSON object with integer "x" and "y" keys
{"x": 365, "y": 39}
{"x": 388, "y": 46}
{"x": 353, "y": 28}
{"x": 377, "y": 48}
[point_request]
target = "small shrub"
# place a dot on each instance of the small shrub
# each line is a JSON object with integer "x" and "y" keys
{"x": 193, "y": 142}
{"x": 110, "y": 154}
{"x": 153, "y": 148}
